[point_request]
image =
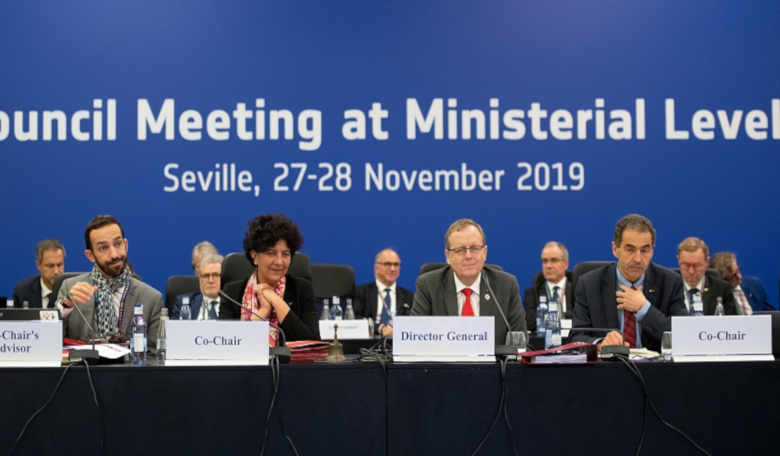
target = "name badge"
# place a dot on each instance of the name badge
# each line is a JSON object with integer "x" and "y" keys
{"x": 444, "y": 339}
{"x": 553, "y": 307}
{"x": 727, "y": 338}
{"x": 30, "y": 344}
{"x": 230, "y": 343}
{"x": 348, "y": 329}
{"x": 698, "y": 306}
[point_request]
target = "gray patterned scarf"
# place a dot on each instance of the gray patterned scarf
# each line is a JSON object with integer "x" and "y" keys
{"x": 107, "y": 318}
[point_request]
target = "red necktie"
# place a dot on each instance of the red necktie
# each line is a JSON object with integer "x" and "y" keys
{"x": 467, "y": 310}
{"x": 629, "y": 327}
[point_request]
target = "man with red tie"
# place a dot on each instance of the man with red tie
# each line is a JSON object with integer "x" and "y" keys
{"x": 633, "y": 295}
{"x": 459, "y": 289}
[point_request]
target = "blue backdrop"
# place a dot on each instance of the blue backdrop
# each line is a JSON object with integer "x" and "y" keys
{"x": 526, "y": 68}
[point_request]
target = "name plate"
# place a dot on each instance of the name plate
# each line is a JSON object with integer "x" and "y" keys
{"x": 348, "y": 329}
{"x": 30, "y": 343}
{"x": 727, "y": 338}
{"x": 229, "y": 343}
{"x": 444, "y": 339}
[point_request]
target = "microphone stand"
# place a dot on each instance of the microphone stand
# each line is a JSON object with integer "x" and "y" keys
{"x": 86, "y": 356}
{"x": 282, "y": 352}
{"x": 502, "y": 351}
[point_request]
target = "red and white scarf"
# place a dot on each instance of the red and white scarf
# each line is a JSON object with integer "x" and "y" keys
{"x": 250, "y": 302}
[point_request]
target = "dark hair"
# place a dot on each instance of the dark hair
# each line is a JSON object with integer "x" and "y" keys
{"x": 47, "y": 245}
{"x": 266, "y": 230}
{"x": 633, "y": 222}
{"x": 99, "y": 222}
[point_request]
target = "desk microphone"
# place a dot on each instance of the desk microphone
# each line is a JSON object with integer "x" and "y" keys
{"x": 502, "y": 350}
{"x": 283, "y": 351}
{"x": 607, "y": 351}
{"x": 87, "y": 356}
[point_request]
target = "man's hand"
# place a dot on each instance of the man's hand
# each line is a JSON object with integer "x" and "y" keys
{"x": 81, "y": 293}
{"x": 613, "y": 338}
{"x": 387, "y": 331}
{"x": 629, "y": 299}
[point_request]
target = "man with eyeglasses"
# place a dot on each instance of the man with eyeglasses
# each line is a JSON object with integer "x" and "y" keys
{"x": 383, "y": 299}
{"x": 633, "y": 295}
{"x": 749, "y": 293}
{"x": 553, "y": 284}
{"x": 693, "y": 256}
{"x": 459, "y": 289}
{"x": 205, "y": 304}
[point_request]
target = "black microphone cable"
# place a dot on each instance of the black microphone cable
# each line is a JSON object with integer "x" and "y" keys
{"x": 501, "y": 410}
{"x": 53, "y": 393}
{"x": 97, "y": 404}
{"x": 635, "y": 370}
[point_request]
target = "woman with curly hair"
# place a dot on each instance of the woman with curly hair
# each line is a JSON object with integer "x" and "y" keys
{"x": 270, "y": 243}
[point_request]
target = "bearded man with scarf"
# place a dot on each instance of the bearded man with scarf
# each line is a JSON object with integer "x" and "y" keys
{"x": 107, "y": 294}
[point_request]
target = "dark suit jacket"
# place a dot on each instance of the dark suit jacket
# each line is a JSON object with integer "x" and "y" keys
{"x": 29, "y": 290}
{"x": 302, "y": 323}
{"x": 436, "y": 295}
{"x": 531, "y": 301}
{"x": 596, "y": 303}
{"x": 196, "y": 300}
{"x": 754, "y": 291}
{"x": 366, "y": 297}
{"x": 714, "y": 287}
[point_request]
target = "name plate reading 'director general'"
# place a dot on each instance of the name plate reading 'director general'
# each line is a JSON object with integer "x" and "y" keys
{"x": 348, "y": 329}
{"x": 447, "y": 339}
{"x": 194, "y": 343}
{"x": 739, "y": 337}
{"x": 30, "y": 343}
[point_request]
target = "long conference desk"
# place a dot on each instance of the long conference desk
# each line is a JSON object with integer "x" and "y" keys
{"x": 422, "y": 409}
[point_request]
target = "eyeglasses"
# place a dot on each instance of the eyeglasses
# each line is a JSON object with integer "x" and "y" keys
{"x": 474, "y": 249}
{"x": 389, "y": 265}
{"x": 552, "y": 261}
{"x": 212, "y": 276}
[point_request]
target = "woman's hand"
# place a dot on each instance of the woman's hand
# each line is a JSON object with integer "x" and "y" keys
{"x": 267, "y": 298}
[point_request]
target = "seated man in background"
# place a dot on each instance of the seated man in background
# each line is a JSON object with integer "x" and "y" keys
{"x": 210, "y": 268}
{"x": 749, "y": 293}
{"x": 555, "y": 286}
{"x": 36, "y": 290}
{"x": 382, "y": 299}
{"x": 693, "y": 256}
{"x": 633, "y": 295}
{"x": 459, "y": 289}
{"x": 107, "y": 295}
{"x": 200, "y": 250}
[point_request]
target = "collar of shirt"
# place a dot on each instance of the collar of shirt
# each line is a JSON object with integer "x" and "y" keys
{"x": 623, "y": 281}
{"x": 45, "y": 291}
{"x": 459, "y": 287}
{"x": 381, "y": 287}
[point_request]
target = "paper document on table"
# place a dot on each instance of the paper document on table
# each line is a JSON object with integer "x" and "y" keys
{"x": 109, "y": 351}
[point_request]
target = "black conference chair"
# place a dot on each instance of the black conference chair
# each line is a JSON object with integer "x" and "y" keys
{"x": 178, "y": 285}
{"x": 236, "y": 266}
{"x": 583, "y": 268}
{"x": 428, "y": 267}
{"x": 55, "y": 288}
{"x": 333, "y": 280}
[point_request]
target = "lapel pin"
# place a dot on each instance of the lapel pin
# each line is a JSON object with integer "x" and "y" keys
{"x": 706, "y": 289}
{"x": 487, "y": 297}
{"x": 651, "y": 291}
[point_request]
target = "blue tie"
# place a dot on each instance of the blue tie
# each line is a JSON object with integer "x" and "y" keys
{"x": 213, "y": 310}
{"x": 385, "y": 318}
{"x": 555, "y": 296}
